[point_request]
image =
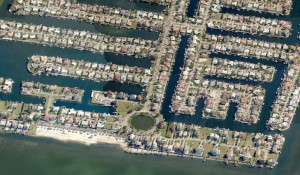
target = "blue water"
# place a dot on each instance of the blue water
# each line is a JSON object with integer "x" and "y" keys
{"x": 30, "y": 156}
{"x": 14, "y": 60}
{"x": 192, "y": 7}
{"x": 294, "y": 18}
{"x": 271, "y": 88}
{"x": 75, "y": 25}
{"x": 126, "y": 4}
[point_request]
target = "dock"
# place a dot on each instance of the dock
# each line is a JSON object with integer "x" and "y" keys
{"x": 56, "y": 66}
{"x": 95, "y": 14}
{"x": 81, "y": 40}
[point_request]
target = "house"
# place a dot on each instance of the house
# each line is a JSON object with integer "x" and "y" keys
{"x": 198, "y": 152}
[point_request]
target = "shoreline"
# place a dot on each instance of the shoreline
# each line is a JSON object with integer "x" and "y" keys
{"x": 93, "y": 138}
{"x": 86, "y": 138}
{"x": 68, "y": 136}
{"x": 224, "y": 161}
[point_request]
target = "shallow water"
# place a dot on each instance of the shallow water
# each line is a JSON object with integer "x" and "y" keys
{"x": 48, "y": 157}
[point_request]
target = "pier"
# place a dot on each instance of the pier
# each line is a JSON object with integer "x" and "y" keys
{"x": 64, "y": 117}
{"x": 197, "y": 80}
{"x": 287, "y": 100}
{"x": 219, "y": 94}
{"x": 281, "y": 7}
{"x": 81, "y": 40}
{"x": 91, "y": 13}
{"x": 110, "y": 98}
{"x": 240, "y": 70}
{"x": 211, "y": 144}
{"x": 250, "y": 48}
{"x": 250, "y": 24}
{"x": 55, "y": 66}
{"x": 51, "y": 93}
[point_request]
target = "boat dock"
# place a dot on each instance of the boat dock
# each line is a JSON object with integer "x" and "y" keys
{"x": 251, "y": 48}
{"x": 250, "y": 24}
{"x": 90, "y": 13}
{"x": 52, "y": 92}
{"x": 278, "y": 7}
{"x": 184, "y": 71}
{"x": 156, "y": 2}
{"x": 218, "y": 95}
{"x": 62, "y": 117}
{"x": 110, "y": 98}
{"x": 55, "y": 66}
{"x": 240, "y": 70}
{"x": 81, "y": 40}
{"x": 211, "y": 144}
{"x": 287, "y": 101}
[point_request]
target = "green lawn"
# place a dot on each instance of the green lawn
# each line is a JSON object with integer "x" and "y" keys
{"x": 3, "y": 105}
{"x": 273, "y": 156}
{"x": 248, "y": 141}
{"x": 32, "y": 129}
{"x": 25, "y": 108}
{"x": 17, "y": 111}
{"x": 124, "y": 108}
{"x": 193, "y": 144}
{"x": 230, "y": 139}
{"x": 108, "y": 126}
{"x": 223, "y": 151}
{"x": 204, "y": 133}
{"x": 207, "y": 148}
{"x": 110, "y": 119}
{"x": 166, "y": 132}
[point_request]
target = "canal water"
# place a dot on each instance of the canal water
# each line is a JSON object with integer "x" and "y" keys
{"x": 74, "y": 25}
{"x": 294, "y": 18}
{"x": 126, "y": 4}
{"x": 290, "y": 153}
{"x": 45, "y": 156}
{"x": 192, "y": 7}
{"x": 271, "y": 88}
{"x": 14, "y": 60}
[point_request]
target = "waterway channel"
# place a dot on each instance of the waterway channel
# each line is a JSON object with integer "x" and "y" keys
{"x": 14, "y": 60}
{"x": 271, "y": 88}
{"x": 77, "y": 159}
{"x": 192, "y": 7}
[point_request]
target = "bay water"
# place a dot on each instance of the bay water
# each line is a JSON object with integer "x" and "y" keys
{"x": 29, "y": 155}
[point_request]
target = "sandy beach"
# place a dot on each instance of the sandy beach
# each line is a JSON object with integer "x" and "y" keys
{"x": 86, "y": 138}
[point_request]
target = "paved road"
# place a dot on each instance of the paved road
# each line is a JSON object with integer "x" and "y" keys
{"x": 159, "y": 55}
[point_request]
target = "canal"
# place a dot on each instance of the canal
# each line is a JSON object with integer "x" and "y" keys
{"x": 271, "y": 88}
{"x": 28, "y": 156}
{"x": 192, "y": 8}
{"x": 14, "y": 60}
{"x": 126, "y": 4}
